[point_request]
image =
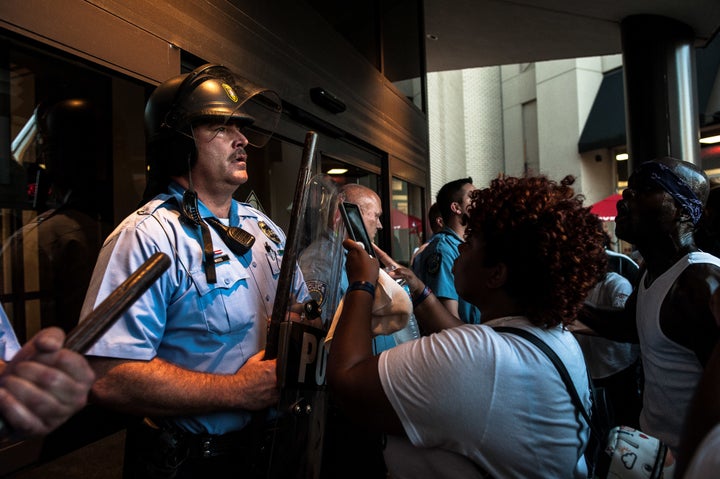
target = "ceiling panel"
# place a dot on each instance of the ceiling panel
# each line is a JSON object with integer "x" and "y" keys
{"x": 474, "y": 33}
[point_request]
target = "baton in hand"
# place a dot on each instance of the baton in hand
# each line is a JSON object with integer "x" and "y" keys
{"x": 85, "y": 334}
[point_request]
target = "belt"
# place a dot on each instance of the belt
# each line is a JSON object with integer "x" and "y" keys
{"x": 212, "y": 445}
{"x": 208, "y": 445}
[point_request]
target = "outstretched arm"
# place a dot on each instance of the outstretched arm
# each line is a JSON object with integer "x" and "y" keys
{"x": 432, "y": 314}
{"x": 352, "y": 369}
{"x": 43, "y": 385}
{"x": 617, "y": 325}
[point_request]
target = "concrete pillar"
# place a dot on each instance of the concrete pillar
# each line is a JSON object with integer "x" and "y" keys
{"x": 660, "y": 89}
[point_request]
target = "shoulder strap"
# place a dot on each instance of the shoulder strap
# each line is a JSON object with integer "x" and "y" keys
{"x": 558, "y": 365}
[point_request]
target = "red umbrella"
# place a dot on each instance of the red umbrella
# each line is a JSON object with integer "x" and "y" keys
{"x": 606, "y": 209}
{"x": 401, "y": 220}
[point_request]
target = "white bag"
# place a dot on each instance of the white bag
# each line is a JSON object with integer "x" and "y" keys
{"x": 391, "y": 309}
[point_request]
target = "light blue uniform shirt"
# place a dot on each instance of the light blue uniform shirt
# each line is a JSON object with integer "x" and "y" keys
{"x": 9, "y": 344}
{"x": 434, "y": 267}
{"x": 182, "y": 319}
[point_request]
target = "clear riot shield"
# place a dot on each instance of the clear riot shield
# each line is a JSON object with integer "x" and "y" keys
{"x": 298, "y": 328}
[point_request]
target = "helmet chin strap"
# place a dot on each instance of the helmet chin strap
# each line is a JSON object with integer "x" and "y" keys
{"x": 189, "y": 162}
{"x": 191, "y": 213}
{"x": 238, "y": 240}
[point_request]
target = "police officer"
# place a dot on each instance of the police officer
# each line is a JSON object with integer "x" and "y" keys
{"x": 187, "y": 356}
{"x": 434, "y": 266}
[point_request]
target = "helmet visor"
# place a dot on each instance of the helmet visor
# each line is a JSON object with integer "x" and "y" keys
{"x": 216, "y": 94}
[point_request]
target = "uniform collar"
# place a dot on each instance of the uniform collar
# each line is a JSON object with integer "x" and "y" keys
{"x": 450, "y": 232}
{"x": 237, "y": 210}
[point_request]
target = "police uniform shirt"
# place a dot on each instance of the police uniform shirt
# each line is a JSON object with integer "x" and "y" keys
{"x": 183, "y": 319}
{"x": 434, "y": 267}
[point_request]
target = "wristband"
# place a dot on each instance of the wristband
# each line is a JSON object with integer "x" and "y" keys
{"x": 421, "y": 297}
{"x": 362, "y": 286}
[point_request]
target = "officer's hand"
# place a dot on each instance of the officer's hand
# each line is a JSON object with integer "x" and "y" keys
{"x": 43, "y": 385}
{"x": 258, "y": 383}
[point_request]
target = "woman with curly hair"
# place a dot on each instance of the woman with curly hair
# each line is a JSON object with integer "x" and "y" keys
{"x": 470, "y": 400}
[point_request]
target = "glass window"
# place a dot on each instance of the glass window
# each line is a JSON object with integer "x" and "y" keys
{"x": 58, "y": 181}
{"x": 272, "y": 175}
{"x": 406, "y": 218}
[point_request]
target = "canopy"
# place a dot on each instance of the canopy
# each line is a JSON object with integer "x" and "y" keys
{"x": 606, "y": 209}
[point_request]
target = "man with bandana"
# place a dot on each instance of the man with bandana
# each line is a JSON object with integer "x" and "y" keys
{"x": 187, "y": 357}
{"x": 669, "y": 312}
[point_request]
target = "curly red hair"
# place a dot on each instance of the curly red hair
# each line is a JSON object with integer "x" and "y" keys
{"x": 552, "y": 246}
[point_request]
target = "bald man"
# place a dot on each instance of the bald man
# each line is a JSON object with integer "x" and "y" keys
{"x": 369, "y": 203}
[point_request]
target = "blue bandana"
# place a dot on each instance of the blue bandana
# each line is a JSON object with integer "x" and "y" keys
{"x": 666, "y": 178}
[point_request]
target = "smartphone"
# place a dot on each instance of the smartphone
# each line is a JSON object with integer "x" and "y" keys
{"x": 355, "y": 227}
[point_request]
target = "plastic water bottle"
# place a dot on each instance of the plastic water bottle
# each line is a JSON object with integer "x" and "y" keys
{"x": 411, "y": 330}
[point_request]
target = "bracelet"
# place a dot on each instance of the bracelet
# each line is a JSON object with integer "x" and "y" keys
{"x": 362, "y": 286}
{"x": 421, "y": 297}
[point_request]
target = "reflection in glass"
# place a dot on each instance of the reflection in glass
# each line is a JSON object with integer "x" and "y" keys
{"x": 406, "y": 219}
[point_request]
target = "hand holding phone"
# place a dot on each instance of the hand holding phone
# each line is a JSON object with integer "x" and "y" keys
{"x": 355, "y": 227}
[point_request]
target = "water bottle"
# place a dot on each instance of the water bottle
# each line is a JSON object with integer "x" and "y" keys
{"x": 411, "y": 330}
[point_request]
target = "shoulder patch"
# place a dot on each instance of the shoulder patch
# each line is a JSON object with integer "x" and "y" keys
{"x": 432, "y": 263}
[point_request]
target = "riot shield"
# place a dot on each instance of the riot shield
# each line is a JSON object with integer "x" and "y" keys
{"x": 297, "y": 330}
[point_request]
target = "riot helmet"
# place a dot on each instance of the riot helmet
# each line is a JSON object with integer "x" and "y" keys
{"x": 208, "y": 93}
{"x": 212, "y": 92}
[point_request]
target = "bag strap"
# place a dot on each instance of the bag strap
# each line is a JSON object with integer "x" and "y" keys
{"x": 558, "y": 365}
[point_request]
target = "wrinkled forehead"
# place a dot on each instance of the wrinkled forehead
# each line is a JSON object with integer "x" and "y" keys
{"x": 372, "y": 205}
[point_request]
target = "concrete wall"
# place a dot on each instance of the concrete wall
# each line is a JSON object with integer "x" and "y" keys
{"x": 492, "y": 100}
{"x": 465, "y": 126}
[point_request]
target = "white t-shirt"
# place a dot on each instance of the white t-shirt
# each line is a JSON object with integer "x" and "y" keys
{"x": 494, "y": 398}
